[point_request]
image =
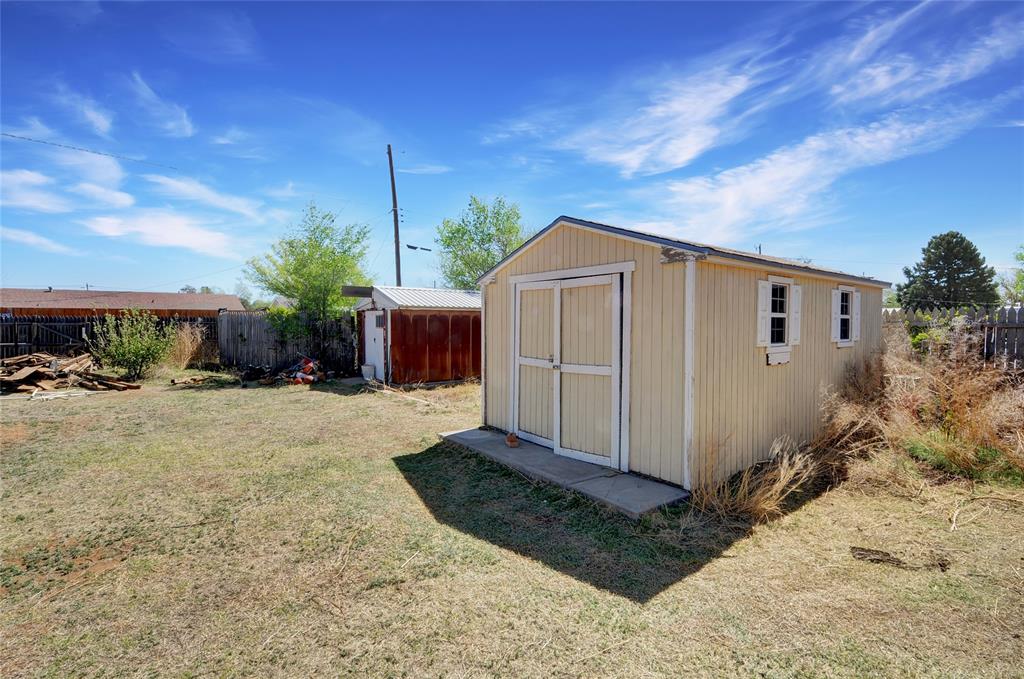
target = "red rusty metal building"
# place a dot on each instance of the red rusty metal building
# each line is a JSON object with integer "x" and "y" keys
{"x": 419, "y": 335}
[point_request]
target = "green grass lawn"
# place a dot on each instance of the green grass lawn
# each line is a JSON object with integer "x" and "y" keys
{"x": 296, "y": 531}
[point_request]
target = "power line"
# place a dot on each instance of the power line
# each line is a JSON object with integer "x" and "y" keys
{"x": 85, "y": 150}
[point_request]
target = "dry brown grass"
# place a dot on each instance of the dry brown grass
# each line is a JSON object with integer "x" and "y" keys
{"x": 187, "y": 350}
{"x": 311, "y": 531}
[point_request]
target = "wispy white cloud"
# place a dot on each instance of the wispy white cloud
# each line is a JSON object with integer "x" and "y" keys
{"x": 215, "y": 36}
{"x": 682, "y": 119}
{"x": 86, "y": 109}
{"x": 283, "y": 192}
{"x": 93, "y": 169}
{"x": 424, "y": 169}
{"x": 233, "y": 135}
{"x": 104, "y": 195}
{"x": 34, "y": 240}
{"x": 187, "y": 188}
{"x": 32, "y": 127}
{"x": 664, "y": 120}
{"x": 29, "y": 190}
{"x": 163, "y": 228}
{"x": 789, "y": 188}
{"x": 172, "y": 118}
{"x": 512, "y": 129}
{"x": 904, "y": 77}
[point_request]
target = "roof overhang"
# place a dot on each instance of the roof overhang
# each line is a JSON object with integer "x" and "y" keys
{"x": 703, "y": 251}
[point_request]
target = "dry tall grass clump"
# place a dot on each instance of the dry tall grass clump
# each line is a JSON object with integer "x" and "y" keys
{"x": 758, "y": 493}
{"x": 947, "y": 408}
{"x": 188, "y": 345}
{"x": 951, "y": 409}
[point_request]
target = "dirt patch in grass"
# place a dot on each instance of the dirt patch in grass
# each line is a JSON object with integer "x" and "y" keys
{"x": 297, "y": 531}
{"x": 12, "y": 433}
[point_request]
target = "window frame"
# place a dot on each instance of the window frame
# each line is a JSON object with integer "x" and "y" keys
{"x": 784, "y": 314}
{"x": 786, "y": 346}
{"x": 849, "y": 341}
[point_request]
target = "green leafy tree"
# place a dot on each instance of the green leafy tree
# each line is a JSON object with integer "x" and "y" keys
{"x": 311, "y": 264}
{"x": 134, "y": 342}
{"x": 951, "y": 273}
{"x": 480, "y": 238}
{"x": 1012, "y": 284}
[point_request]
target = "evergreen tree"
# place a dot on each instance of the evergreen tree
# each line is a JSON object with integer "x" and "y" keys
{"x": 951, "y": 273}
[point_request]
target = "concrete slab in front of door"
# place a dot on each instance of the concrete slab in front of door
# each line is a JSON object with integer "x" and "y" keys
{"x": 629, "y": 494}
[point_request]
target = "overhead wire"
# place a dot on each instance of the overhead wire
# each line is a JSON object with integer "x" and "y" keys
{"x": 85, "y": 150}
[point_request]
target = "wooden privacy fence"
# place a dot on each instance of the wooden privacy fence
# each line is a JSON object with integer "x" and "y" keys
{"x": 61, "y": 335}
{"x": 1002, "y": 330}
{"x": 246, "y": 338}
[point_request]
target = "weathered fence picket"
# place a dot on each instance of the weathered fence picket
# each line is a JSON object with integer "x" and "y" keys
{"x": 60, "y": 335}
{"x": 1002, "y": 329}
{"x": 247, "y": 338}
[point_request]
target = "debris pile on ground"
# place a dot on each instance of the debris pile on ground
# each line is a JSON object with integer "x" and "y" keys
{"x": 45, "y": 372}
{"x": 306, "y": 371}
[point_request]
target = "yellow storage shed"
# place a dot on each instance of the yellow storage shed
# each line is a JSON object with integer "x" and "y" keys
{"x": 647, "y": 354}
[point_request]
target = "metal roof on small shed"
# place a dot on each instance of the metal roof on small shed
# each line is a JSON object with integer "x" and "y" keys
{"x": 391, "y": 297}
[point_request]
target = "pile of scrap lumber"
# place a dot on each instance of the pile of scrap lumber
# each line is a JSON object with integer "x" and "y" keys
{"x": 45, "y": 372}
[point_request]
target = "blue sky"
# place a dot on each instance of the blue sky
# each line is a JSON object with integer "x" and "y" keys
{"x": 845, "y": 133}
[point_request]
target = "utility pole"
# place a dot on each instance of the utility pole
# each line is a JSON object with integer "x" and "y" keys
{"x": 394, "y": 213}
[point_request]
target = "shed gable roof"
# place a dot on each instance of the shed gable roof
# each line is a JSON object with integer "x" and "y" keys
{"x": 679, "y": 244}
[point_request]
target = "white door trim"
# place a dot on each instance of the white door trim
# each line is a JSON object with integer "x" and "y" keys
{"x": 620, "y": 329}
{"x": 557, "y": 274}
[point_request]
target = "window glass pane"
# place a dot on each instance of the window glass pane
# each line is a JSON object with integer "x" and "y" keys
{"x": 778, "y": 330}
{"x": 844, "y": 304}
{"x": 844, "y": 328}
{"x": 778, "y": 299}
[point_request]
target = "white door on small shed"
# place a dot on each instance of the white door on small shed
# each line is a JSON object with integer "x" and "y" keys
{"x": 373, "y": 337}
{"x": 567, "y": 373}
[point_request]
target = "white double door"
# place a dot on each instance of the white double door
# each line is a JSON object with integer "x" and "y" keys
{"x": 567, "y": 382}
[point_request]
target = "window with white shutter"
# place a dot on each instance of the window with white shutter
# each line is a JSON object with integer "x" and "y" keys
{"x": 778, "y": 317}
{"x": 845, "y": 316}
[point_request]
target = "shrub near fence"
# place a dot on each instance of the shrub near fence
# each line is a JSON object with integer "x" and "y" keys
{"x": 65, "y": 335}
{"x": 247, "y": 338}
{"x": 1001, "y": 330}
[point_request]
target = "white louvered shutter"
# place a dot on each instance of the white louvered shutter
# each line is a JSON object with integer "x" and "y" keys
{"x": 795, "y": 295}
{"x": 835, "y": 315}
{"x": 855, "y": 318}
{"x": 764, "y": 300}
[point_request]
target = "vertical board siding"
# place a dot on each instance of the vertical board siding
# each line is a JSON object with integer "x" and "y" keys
{"x": 741, "y": 404}
{"x": 586, "y": 414}
{"x": 434, "y": 345}
{"x": 536, "y": 394}
{"x": 656, "y": 381}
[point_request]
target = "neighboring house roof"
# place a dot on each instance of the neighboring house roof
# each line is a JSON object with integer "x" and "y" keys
{"x": 679, "y": 244}
{"x": 391, "y": 297}
{"x": 87, "y": 300}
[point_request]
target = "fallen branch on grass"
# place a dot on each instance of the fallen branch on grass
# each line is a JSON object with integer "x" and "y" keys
{"x": 878, "y": 556}
{"x": 955, "y": 514}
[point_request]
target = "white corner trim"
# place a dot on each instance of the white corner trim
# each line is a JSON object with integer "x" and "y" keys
{"x": 627, "y": 331}
{"x": 616, "y": 267}
{"x": 483, "y": 353}
{"x": 689, "y": 320}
